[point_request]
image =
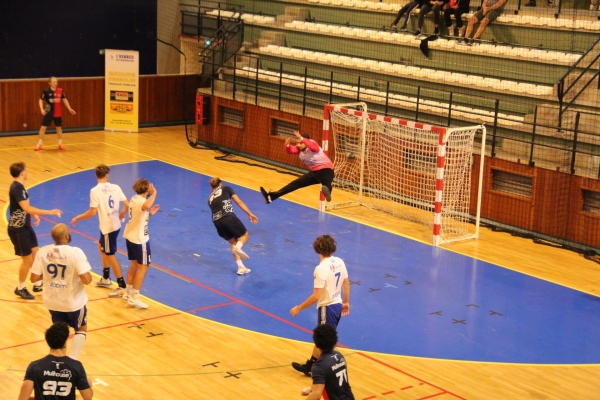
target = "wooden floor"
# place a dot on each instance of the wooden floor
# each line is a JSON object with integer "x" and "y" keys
{"x": 162, "y": 353}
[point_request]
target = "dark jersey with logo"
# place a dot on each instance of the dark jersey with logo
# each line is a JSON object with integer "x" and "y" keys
{"x": 53, "y": 101}
{"x": 55, "y": 378}
{"x": 18, "y": 218}
{"x": 330, "y": 370}
{"x": 220, "y": 202}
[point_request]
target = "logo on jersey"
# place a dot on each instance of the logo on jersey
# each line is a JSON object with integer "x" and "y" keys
{"x": 227, "y": 206}
{"x": 18, "y": 219}
{"x": 216, "y": 193}
{"x": 65, "y": 373}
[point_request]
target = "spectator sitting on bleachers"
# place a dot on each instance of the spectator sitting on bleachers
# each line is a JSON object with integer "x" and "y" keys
{"x": 431, "y": 5}
{"x": 593, "y": 5}
{"x": 456, "y": 8}
{"x": 490, "y": 10}
{"x": 408, "y": 10}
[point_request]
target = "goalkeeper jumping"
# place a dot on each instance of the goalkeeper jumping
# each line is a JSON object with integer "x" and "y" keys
{"x": 321, "y": 168}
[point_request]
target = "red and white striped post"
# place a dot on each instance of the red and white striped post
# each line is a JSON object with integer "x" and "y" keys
{"x": 325, "y": 146}
{"x": 439, "y": 185}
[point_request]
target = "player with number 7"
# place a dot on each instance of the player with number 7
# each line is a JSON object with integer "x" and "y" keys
{"x": 331, "y": 290}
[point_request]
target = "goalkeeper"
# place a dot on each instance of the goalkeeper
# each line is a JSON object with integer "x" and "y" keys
{"x": 321, "y": 168}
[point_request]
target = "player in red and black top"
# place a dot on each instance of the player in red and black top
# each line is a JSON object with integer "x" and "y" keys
{"x": 20, "y": 232}
{"x": 56, "y": 376}
{"x": 321, "y": 168}
{"x": 51, "y": 108}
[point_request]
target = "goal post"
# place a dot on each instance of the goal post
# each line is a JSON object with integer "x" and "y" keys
{"x": 408, "y": 169}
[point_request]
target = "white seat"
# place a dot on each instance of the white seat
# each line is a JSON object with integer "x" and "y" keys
{"x": 324, "y": 1}
{"x": 355, "y": 61}
{"x": 336, "y": 2}
{"x": 344, "y": 60}
{"x": 311, "y": 26}
{"x": 323, "y": 28}
{"x": 286, "y": 51}
{"x": 348, "y": 3}
{"x": 296, "y": 53}
{"x": 360, "y": 4}
{"x": 308, "y": 55}
{"x": 335, "y": 59}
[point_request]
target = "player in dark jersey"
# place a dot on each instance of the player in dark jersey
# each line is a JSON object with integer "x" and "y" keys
{"x": 228, "y": 225}
{"x": 51, "y": 109}
{"x": 20, "y": 232}
{"x": 329, "y": 373}
{"x": 56, "y": 376}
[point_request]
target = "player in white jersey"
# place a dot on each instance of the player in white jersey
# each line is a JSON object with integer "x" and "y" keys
{"x": 105, "y": 199}
{"x": 65, "y": 270}
{"x": 141, "y": 208}
{"x": 331, "y": 290}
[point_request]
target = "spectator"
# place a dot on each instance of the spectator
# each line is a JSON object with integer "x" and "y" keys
{"x": 456, "y": 8}
{"x": 490, "y": 10}
{"x": 408, "y": 8}
{"x": 431, "y": 5}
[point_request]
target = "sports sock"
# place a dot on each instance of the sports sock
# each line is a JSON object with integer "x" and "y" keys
{"x": 40, "y": 142}
{"x": 239, "y": 244}
{"x": 60, "y": 141}
{"x": 38, "y": 283}
{"x": 106, "y": 273}
{"x": 121, "y": 282}
{"x": 77, "y": 344}
{"x": 239, "y": 263}
{"x": 135, "y": 293}
{"x": 21, "y": 285}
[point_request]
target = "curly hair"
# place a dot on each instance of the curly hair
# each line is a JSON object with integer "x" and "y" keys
{"x": 324, "y": 245}
{"x": 141, "y": 185}
{"x": 57, "y": 335}
{"x": 215, "y": 182}
{"x": 325, "y": 337}
{"x": 102, "y": 170}
{"x": 16, "y": 169}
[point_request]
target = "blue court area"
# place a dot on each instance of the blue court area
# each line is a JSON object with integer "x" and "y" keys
{"x": 407, "y": 298}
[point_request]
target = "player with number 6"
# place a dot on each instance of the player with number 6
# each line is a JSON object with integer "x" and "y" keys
{"x": 331, "y": 290}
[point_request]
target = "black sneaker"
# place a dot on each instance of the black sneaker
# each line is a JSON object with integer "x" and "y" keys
{"x": 304, "y": 368}
{"x": 436, "y": 31}
{"x": 326, "y": 193}
{"x": 24, "y": 294}
{"x": 38, "y": 289}
{"x": 418, "y": 34}
{"x": 469, "y": 42}
{"x": 265, "y": 195}
{"x": 531, "y": 4}
{"x": 403, "y": 27}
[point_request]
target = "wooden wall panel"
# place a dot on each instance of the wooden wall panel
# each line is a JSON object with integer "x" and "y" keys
{"x": 160, "y": 101}
{"x": 583, "y": 227}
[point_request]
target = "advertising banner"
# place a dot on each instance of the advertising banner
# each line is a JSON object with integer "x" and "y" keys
{"x": 121, "y": 90}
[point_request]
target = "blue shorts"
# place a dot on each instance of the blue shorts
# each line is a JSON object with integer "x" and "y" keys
{"x": 229, "y": 227}
{"x": 23, "y": 239}
{"x": 75, "y": 319}
{"x": 108, "y": 242}
{"x": 330, "y": 315}
{"x": 138, "y": 252}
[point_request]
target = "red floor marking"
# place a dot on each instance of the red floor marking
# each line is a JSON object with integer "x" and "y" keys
{"x": 412, "y": 376}
{"x": 404, "y": 388}
{"x": 368, "y": 398}
{"x": 12, "y": 259}
{"x": 433, "y": 395}
{"x": 97, "y": 329}
{"x": 209, "y": 307}
{"x": 386, "y": 393}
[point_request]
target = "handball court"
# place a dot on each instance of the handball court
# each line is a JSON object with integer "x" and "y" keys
{"x": 496, "y": 318}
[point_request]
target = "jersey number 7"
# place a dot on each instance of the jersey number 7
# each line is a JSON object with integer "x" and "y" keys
{"x": 53, "y": 270}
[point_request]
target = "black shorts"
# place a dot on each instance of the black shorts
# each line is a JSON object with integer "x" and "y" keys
{"x": 48, "y": 118}
{"x": 23, "y": 239}
{"x": 229, "y": 227}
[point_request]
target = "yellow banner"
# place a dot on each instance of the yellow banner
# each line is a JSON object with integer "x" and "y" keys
{"x": 121, "y": 90}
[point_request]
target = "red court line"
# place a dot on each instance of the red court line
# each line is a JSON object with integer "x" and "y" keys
{"x": 21, "y": 301}
{"x": 368, "y": 398}
{"x": 12, "y": 259}
{"x": 404, "y": 388}
{"x": 93, "y": 330}
{"x": 412, "y": 376}
{"x": 433, "y": 395}
{"x": 390, "y": 392}
{"x": 209, "y": 307}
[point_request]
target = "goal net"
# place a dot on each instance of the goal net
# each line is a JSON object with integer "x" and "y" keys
{"x": 411, "y": 170}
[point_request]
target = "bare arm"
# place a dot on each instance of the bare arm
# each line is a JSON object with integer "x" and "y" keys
{"x": 26, "y": 390}
{"x": 85, "y": 278}
{"x": 312, "y": 299}
{"x": 68, "y": 106}
{"x": 245, "y": 208}
{"x": 124, "y": 210}
{"x": 31, "y": 210}
{"x": 86, "y": 215}
{"x": 41, "y": 103}
{"x": 87, "y": 394}
{"x": 35, "y": 277}
{"x": 150, "y": 200}
{"x": 316, "y": 392}
{"x": 346, "y": 299}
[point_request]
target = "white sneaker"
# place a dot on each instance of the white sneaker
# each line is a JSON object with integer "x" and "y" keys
{"x": 451, "y": 30}
{"x": 126, "y": 295}
{"x": 243, "y": 270}
{"x": 136, "y": 302}
{"x": 118, "y": 292}
{"x": 240, "y": 253}
{"x": 461, "y": 31}
{"x": 104, "y": 282}
{"x": 247, "y": 270}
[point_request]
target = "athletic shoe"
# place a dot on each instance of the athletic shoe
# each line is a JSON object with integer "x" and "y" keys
{"x": 392, "y": 26}
{"x": 38, "y": 147}
{"x": 436, "y": 31}
{"x": 326, "y": 193}
{"x": 304, "y": 368}
{"x": 418, "y": 35}
{"x": 104, "y": 282}
{"x": 403, "y": 27}
{"x": 125, "y": 295}
{"x": 38, "y": 288}
{"x": 241, "y": 270}
{"x": 61, "y": 147}
{"x": 451, "y": 30}
{"x": 118, "y": 292}
{"x": 247, "y": 270}
{"x": 240, "y": 253}
{"x": 461, "y": 31}
{"x": 265, "y": 195}
{"x": 24, "y": 294}
{"x": 136, "y": 302}
{"x": 531, "y": 4}
{"x": 469, "y": 42}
